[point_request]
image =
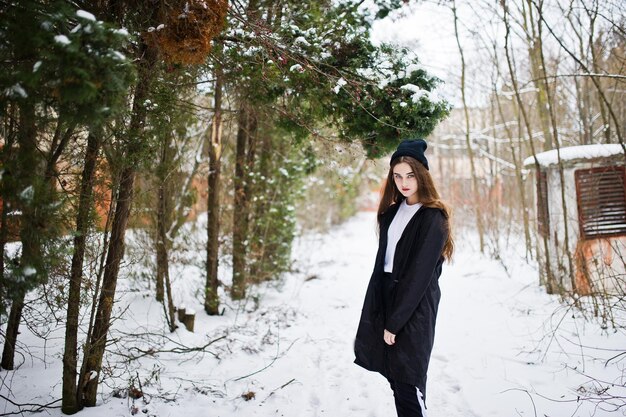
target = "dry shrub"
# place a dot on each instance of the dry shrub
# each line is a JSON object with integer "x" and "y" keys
{"x": 185, "y": 37}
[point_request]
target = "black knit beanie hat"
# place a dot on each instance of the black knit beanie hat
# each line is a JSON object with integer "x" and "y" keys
{"x": 413, "y": 148}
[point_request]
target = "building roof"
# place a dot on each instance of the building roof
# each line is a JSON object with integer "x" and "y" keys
{"x": 573, "y": 153}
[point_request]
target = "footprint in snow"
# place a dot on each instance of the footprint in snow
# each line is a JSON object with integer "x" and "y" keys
{"x": 314, "y": 401}
{"x": 454, "y": 388}
{"x": 440, "y": 358}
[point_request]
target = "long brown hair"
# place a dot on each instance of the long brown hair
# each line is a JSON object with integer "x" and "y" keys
{"x": 427, "y": 195}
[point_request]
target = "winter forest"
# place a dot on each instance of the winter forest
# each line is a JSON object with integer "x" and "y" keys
{"x": 189, "y": 189}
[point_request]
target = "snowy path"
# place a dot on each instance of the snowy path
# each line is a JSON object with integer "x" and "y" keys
{"x": 297, "y": 344}
{"x": 488, "y": 350}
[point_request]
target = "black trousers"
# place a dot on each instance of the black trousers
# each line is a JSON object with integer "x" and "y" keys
{"x": 408, "y": 400}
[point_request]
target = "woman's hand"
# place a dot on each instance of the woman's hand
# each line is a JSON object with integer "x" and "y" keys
{"x": 389, "y": 337}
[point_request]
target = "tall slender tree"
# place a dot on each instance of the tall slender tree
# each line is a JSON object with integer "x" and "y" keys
{"x": 468, "y": 142}
{"x": 211, "y": 300}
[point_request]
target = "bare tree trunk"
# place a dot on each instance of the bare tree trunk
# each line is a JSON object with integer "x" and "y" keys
{"x": 583, "y": 101}
{"x": 163, "y": 270}
{"x": 70, "y": 402}
{"x": 164, "y": 221}
{"x": 550, "y": 279}
{"x": 12, "y": 330}
{"x": 248, "y": 185}
{"x": 109, "y": 282}
{"x": 161, "y": 255}
{"x": 211, "y": 300}
{"x": 593, "y": 14}
{"x": 245, "y": 141}
{"x": 239, "y": 277}
{"x": 582, "y": 92}
{"x": 82, "y": 377}
{"x": 538, "y": 73}
{"x": 262, "y": 204}
{"x": 93, "y": 358}
{"x": 594, "y": 79}
{"x": 171, "y": 311}
{"x": 555, "y": 134}
{"x": 470, "y": 152}
{"x": 519, "y": 179}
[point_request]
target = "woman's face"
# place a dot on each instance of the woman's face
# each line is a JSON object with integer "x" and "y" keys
{"x": 406, "y": 183}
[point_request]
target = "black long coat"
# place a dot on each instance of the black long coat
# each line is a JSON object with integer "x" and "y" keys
{"x": 414, "y": 300}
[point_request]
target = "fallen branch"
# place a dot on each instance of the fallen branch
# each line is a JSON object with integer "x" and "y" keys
{"x": 614, "y": 357}
{"x": 269, "y": 364}
{"x": 527, "y": 393}
{"x": 281, "y": 387}
{"x": 181, "y": 349}
{"x": 37, "y": 408}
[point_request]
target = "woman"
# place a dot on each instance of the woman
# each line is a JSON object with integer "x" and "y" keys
{"x": 397, "y": 327}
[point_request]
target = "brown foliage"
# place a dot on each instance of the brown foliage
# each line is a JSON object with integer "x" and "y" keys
{"x": 188, "y": 28}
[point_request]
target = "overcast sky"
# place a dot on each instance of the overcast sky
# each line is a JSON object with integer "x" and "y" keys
{"x": 428, "y": 30}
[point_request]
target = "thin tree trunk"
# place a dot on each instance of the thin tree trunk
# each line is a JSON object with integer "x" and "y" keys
{"x": 96, "y": 293}
{"x": 581, "y": 84}
{"x": 93, "y": 358}
{"x": 171, "y": 311}
{"x": 240, "y": 209}
{"x": 550, "y": 279}
{"x": 518, "y": 177}
{"x": 538, "y": 73}
{"x": 593, "y": 14}
{"x": 470, "y": 152}
{"x": 516, "y": 161}
{"x": 163, "y": 269}
{"x": 555, "y": 134}
{"x": 212, "y": 300}
{"x": 594, "y": 80}
{"x": 260, "y": 248}
{"x": 584, "y": 136}
{"x": 57, "y": 150}
{"x": 70, "y": 402}
{"x": 115, "y": 254}
{"x": 246, "y": 145}
{"x": 12, "y": 330}
{"x": 164, "y": 221}
{"x": 161, "y": 251}
{"x": 249, "y": 189}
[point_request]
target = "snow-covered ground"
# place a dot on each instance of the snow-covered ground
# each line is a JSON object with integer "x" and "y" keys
{"x": 503, "y": 347}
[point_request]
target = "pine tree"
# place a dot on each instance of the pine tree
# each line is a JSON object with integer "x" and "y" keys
{"x": 294, "y": 70}
{"x": 183, "y": 40}
{"x": 65, "y": 72}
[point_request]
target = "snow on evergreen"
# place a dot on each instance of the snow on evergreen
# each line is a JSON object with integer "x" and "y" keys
{"x": 340, "y": 83}
{"x": 62, "y": 39}
{"x": 16, "y": 91}
{"x": 85, "y": 15}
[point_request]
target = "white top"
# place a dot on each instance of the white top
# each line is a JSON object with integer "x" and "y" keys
{"x": 576, "y": 152}
{"x": 403, "y": 216}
